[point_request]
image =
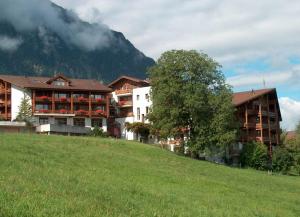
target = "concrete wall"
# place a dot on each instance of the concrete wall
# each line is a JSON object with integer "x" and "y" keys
{"x": 17, "y": 94}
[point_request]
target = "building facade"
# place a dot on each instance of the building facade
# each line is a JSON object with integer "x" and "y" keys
{"x": 131, "y": 103}
{"x": 259, "y": 116}
{"x": 59, "y": 105}
{"x": 73, "y": 106}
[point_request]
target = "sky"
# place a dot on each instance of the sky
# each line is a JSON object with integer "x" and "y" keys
{"x": 256, "y": 42}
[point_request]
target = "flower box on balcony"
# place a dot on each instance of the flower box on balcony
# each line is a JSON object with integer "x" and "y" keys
{"x": 82, "y": 99}
{"x": 99, "y": 100}
{"x": 43, "y": 111}
{"x": 122, "y": 102}
{"x": 81, "y": 112}
{"x": 43, "y": 97}
{"x": 63, "y": 111}
{"x": 63, "y": 99}
{"x": 100, "y": 112}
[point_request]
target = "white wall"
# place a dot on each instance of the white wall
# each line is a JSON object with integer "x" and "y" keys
{"x": 124, "y": 133}
{"x": 142, "y": 103}
{"x": 17, "y": 94}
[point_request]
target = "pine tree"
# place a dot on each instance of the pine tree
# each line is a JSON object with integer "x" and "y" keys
{"x": 25, "y": 111}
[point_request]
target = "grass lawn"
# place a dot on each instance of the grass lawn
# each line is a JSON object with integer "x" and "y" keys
{"x": 80, "y": 176}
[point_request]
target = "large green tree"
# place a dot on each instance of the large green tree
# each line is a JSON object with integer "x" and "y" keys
{"x": 189, "y": 94}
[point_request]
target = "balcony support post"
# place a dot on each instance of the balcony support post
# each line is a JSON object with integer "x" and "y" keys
{"x": 5, "y": 101}
{"x": 53, "y": 102}
{"x": 269, "y": 128}
{"x": 260, "y": 120}
{"x": 107, "y": 104}
{"x": 33, "y": 101}
{"x": 72, "y": 103}
{"x": 90, "y": 105}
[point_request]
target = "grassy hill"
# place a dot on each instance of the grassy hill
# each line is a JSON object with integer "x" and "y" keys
{"x": 72, "y": 176}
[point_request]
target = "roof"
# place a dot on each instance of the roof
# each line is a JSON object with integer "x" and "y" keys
{"x": 45, "y": 83}
{"x": 242, "y": 97}
{"x": 290, "y": 135}
{"x": 143, "y": 82}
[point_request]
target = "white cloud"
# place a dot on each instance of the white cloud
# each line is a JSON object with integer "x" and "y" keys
{"x": 229, "y": 30}
{"x": 272, "y": 79}
{"x": 9, "y": 44}
{"x": 290, "y": 111}
{"x": 26, "y": 15}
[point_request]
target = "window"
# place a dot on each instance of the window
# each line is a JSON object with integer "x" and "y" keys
{"x": 59, "y": 83}
{"x": 61, "y": 121}
{"x": 97, "y": 123}
{"x": 147, "y": 110}
{"x": 61, "y": 95}
{"x": 138, "y": 111}
{"x": 147, "y": 97}
{"x": 80, "y": 122}
{"x": 42, "y": 107}
{"x": 43, "y": 121}
{"x": 137, "y": 97}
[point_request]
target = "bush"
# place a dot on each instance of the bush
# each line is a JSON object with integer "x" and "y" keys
{"x": 282, "y": 160}
{"x": 255, "y": 155}
{"x": 98, "y": 132}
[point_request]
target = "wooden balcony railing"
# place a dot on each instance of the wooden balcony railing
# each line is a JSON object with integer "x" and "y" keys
{"x": 125, "y": 103}
{"x": 119, "y": 92}
{"x": 81, "y": 99}
{"x": 99, "y": 100}
{"x": 63, "y": 99}
{"x": 43, "y": 98}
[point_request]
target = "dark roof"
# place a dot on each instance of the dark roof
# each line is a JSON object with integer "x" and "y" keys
{"x": 141, "y": 81}
{"x": 242, "y": 97}
{"x": 45, "y": 83}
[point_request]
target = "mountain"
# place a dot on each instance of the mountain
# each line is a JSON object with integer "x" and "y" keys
{"x": 62, "y": 43}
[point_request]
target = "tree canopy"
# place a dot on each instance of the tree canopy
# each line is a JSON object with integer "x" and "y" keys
{"x": 190, "y": 95}
{"x": 25, "y": 111}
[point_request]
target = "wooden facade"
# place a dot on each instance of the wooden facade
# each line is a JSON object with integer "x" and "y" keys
{"x": 5, "y": 100}
{"x": 123, "y": 88}
{"x": 259, "y": 116}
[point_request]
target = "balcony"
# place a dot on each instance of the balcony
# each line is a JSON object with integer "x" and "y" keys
{"x": 125, "y": 114}
{"x": 250, "y": 125}
{"x": 81, "y": 99}
{"x": 125, "y": 104}
{"x": 262, "y": 126}
{"x": 3, "y": 116}
{"x": 43, "y": 98}
{"x": 99, "y": 113}
{"x": 123, "y": 92}
{"x": 63, "y": 100}
{"x": 82, "y": 112}
{"x": 99, "y": 101}
{"x": 252, "y": 112}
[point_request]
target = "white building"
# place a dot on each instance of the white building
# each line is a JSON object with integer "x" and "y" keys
{"x": 131, "y": 97}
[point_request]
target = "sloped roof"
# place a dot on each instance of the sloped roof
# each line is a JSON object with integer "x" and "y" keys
{"x": 41, "y": 83}
{"x": 242, "y": 97}
{"x": 290, "y": 135}
{"x": 143, "y": 82}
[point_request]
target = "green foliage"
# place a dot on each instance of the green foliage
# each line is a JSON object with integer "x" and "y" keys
{"x": 140, "y": 128}
{"x": 98, "y": 132}
{"x": 86, "y": 176}
{"x": 282, "y": 160}
{"x": 255, "y": 155}
{"x": 189, "y": 92}
{"x": 25, "y": 111}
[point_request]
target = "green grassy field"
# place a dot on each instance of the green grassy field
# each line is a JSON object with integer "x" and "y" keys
{"x": 78, "y": 176}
